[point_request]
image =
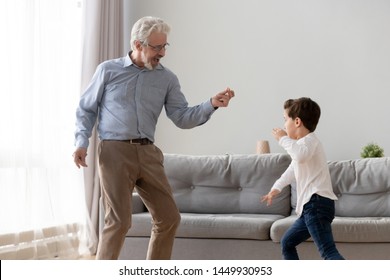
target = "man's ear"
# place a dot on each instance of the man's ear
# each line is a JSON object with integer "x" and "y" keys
{"x": 138, "y": 45}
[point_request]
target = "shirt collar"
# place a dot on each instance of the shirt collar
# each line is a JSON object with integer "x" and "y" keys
{"x": 128, "y": 62}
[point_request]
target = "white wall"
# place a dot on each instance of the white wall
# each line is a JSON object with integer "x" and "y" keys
{"x": 335, "y": 51}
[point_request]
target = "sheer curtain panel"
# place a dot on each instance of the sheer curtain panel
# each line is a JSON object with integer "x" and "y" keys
{"x": 102, "y": 39}
{"x": 42, "y": 200}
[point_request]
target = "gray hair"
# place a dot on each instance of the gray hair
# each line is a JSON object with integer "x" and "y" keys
{"x": 144, "y": 27}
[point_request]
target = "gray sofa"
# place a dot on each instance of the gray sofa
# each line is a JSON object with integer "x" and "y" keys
{"x": 222, "y": 217}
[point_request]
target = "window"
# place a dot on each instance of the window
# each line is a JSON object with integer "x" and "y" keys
{"x": 40, "y": 187}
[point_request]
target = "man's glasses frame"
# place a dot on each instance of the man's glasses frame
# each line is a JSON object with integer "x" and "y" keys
{"x": 158, "y": 48}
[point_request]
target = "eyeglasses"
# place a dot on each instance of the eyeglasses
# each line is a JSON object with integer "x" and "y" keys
{"x": 159, "y": 47}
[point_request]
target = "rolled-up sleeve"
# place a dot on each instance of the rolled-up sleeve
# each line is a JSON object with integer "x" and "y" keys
{"x": 182, "y": 115}
{"x": 87, "y": 111}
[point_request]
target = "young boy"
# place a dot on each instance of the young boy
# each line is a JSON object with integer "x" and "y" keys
{"x": 309, "y": 169}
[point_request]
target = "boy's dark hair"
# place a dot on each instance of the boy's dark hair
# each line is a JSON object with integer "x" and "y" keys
{"x": 304, "y": 108}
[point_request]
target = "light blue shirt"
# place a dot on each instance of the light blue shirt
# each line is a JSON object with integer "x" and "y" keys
{"x": 127, "y": 100}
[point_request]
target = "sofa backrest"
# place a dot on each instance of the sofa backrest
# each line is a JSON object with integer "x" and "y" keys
{"x": 362, "y": 187}
{"x": 227, "y": 183}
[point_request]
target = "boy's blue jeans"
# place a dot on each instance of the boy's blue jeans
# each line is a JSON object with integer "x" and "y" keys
{"x": 314, "y": 222}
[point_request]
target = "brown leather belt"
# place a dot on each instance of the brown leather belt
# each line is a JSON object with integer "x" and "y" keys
{"x": 138, "y": 141}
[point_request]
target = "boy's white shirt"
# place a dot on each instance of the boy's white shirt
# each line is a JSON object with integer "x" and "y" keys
{"x": 308, "y": 168}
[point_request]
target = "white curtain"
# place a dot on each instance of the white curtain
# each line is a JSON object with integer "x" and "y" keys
{"x": 42, "y": 200}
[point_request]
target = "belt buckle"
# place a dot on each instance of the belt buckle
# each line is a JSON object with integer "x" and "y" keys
{"x": 134, "y": 142}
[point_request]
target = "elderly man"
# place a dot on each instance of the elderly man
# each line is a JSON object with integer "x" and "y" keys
{"x": 127, "y": 95}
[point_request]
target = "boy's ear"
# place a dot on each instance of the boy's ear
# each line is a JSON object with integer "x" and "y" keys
{"x": 298, "y": 122}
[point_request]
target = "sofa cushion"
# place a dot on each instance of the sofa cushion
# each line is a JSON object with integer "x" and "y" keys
{"x": 234, "y": 226}
{"x": 345, "y": 229}
{"x": 362, "y": 187}
{"x": 227, "y": 184}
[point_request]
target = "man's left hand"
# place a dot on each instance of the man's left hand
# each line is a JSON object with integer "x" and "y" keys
{"x": 222, "y": 99}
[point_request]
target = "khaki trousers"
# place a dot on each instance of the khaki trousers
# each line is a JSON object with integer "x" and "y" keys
{"x": 122, "y": 167}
